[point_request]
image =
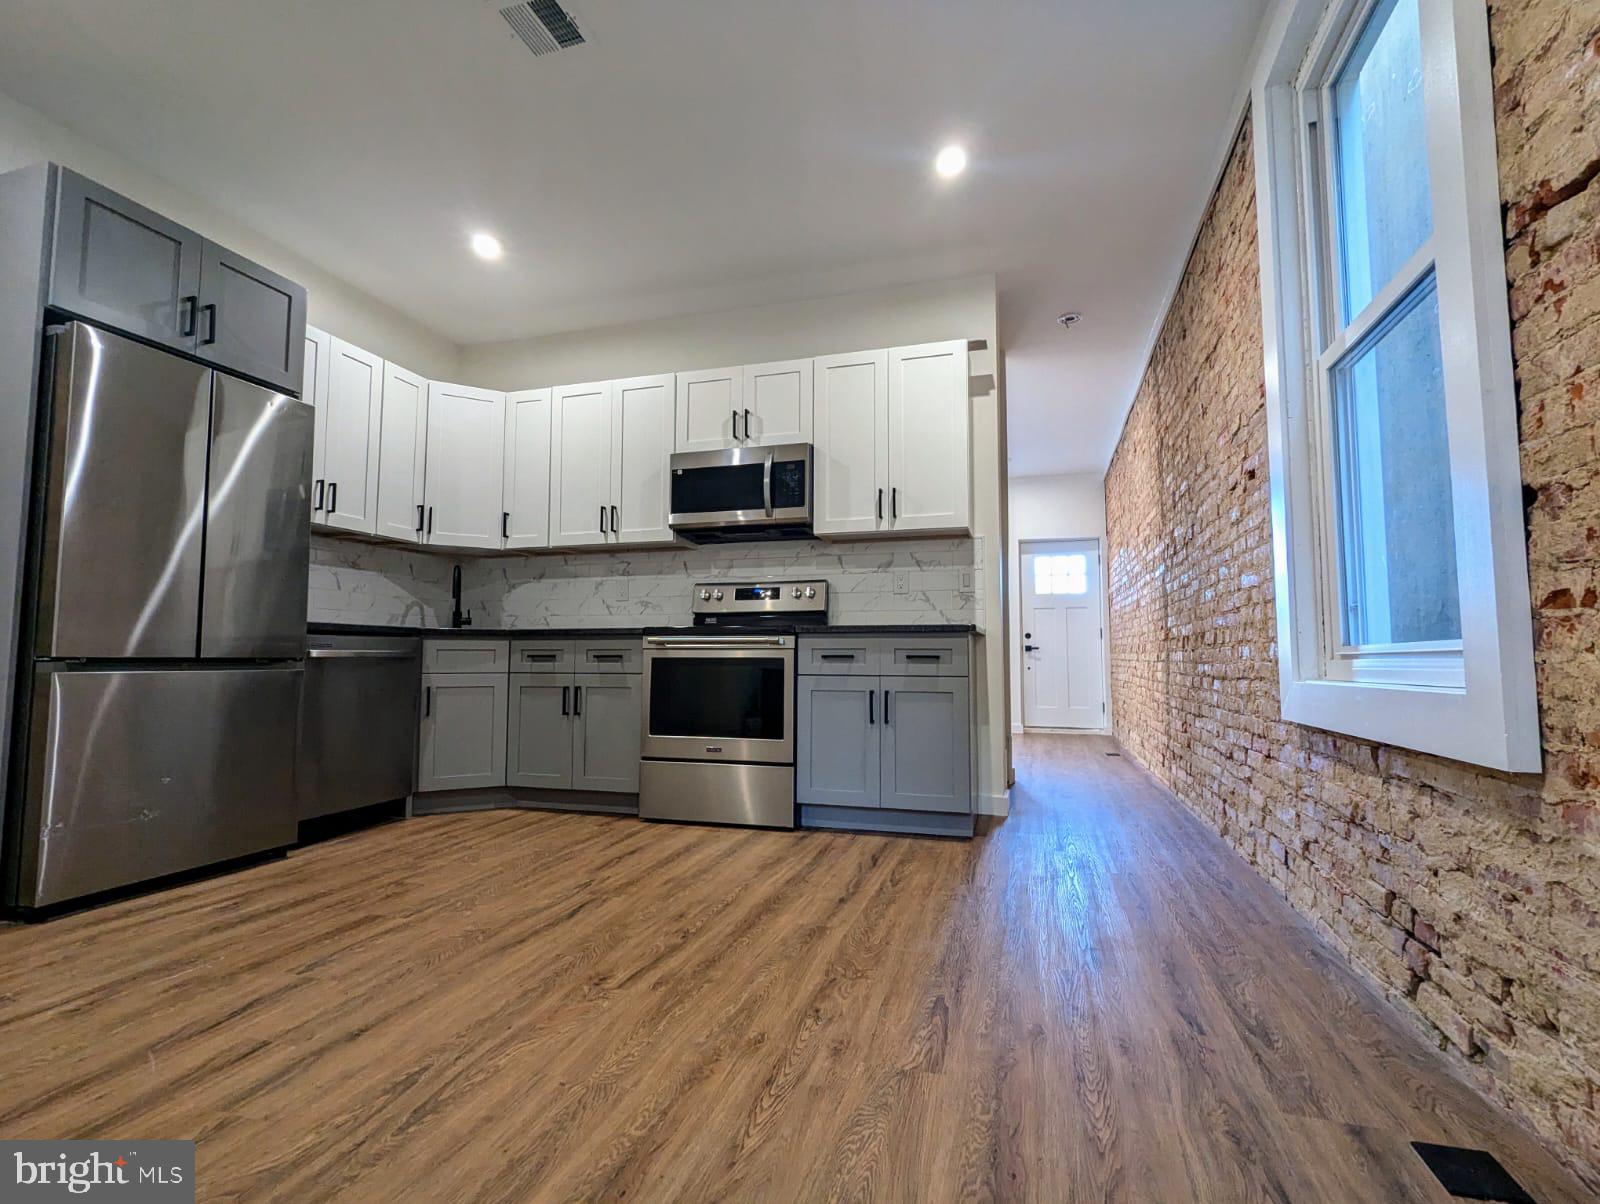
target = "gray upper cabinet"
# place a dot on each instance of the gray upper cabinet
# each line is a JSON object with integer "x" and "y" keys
{"x": 251, "y": 321}
{"x": 837, "y": 733}
{"x": 463, "y": 731}
{"x": 126, "y": 267}
{"x": 539, "y": 746}
{"x": 605, "y": 747}
{"x": 926, "y": 763}
{"x": 121, "y": 265}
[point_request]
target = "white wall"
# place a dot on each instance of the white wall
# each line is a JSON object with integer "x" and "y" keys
{"x": 27, "y": 136}
{"x": 949, "y": 309}
{"x": 1069, "y": 506}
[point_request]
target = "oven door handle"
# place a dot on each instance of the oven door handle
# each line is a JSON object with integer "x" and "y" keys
{"x": 766, "y": 476}
{"x": 700, "y": 642}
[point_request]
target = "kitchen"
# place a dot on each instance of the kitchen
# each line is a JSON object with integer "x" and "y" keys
{"x": 522, "y": 672}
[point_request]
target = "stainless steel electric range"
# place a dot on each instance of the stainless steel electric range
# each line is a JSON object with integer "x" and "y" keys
{"x": 719, "y": 708}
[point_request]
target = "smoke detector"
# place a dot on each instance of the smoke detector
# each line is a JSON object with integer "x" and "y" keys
{"x": 1069, "y": 320}
{"x": 544, "y": 26}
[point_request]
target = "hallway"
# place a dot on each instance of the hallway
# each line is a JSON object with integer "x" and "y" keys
{"x": 1096, "y": 1000}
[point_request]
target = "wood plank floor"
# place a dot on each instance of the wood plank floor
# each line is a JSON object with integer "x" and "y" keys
{"x": 1097, "y": 1000}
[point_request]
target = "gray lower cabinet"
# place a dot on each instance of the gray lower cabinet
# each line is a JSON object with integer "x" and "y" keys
{"x": 539, "y": 751}
{"x": 463, "y": 745}
{"x": 926, "y": 761}
{"x": 606, "y": 732}
{"x": 837, "y": 741}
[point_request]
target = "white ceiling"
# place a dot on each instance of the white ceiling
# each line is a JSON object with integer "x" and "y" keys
{"x": 698, "y": 155}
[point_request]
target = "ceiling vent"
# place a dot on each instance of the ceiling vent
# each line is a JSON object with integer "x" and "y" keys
{"x": 543, "y": 25}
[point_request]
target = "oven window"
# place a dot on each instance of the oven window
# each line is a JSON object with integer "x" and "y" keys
{"x": 713, "y": 490}
{"x": 717, "y": 698}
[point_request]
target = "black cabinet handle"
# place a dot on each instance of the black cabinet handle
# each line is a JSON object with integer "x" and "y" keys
{"x": 923, "y": 656}
{"x": 871, "y": 697}
{"x": 602, "y": 520}
{"x": 210, "y": 310}
{"x": 427, "y": 702}
{"x": 419, "y": 518}
{"x": 886, "y": 696}
{"x": 564, "y": 692}
{"x": 894, "y": 502}
{"x": 430, "y": 520}
{"x": 836, "y": 656}
{"x": 606, "y": 658}
{"x": 747, "y": 424}
{"x": 577, "y": 701}
{"x": 880, "y": 505}
{"x": 190, "y": 309}
{"x": 736, "y": 426}
{"x": 316, "y": 502}
{"x": 614, "y": 527}
{"x": 333, "y": 497}
{"x": 505, "y": 524}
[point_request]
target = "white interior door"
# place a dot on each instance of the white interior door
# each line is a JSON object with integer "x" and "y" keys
{"x": 1063, "y": 644}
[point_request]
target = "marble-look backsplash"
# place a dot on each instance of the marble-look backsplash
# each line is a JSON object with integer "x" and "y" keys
{"x": 354, "y": 582}
{"x": 942, "y": 579}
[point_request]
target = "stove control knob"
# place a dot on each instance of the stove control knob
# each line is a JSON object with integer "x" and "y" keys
{"x": 811, "y": 591}
{"x": 705, "y": 595}
{"x": 796, "y": 591}
{"x": 716, "y": 595}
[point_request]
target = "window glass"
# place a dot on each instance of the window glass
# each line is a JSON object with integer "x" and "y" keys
{"x": 1061, "y": 574}
{"x": 1385, "y": 199}
{"x": 1395, "y": 515}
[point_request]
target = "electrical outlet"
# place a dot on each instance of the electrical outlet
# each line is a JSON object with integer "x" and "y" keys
{"x": 902, "y": 581}
{"x": 966, "y": 579}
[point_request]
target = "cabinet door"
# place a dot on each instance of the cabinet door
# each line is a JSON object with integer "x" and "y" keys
{"x": 641, "y": 445}
{"x": 539, "y": 746}
{"x": 930, "y": 466}
{"x": 117, "y": 263}
{"x": 527, "y": 469}
{"x": 465, "y": 466}
{"x": 708, "y": 405}
{"x": 580, "y": 465}
{"x": 927, "y": 744}
{"x": 314, "y": 389}
{"x": 852, "y": 435}
{"x": 778, "y": 403}
{"x": 837, "y": 735}
{"x": 402, "y": 455}
{"x": 350, "y": 444}
{"x": 463, "y": 739}
{"x": 251, "y": 319}
{"x": 605, "y": 750}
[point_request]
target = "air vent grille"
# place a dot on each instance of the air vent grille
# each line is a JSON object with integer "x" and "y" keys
{"x": 543, "y": 25}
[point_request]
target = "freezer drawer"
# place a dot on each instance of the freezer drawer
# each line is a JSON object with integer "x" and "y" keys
{"x": 134, "y": 774}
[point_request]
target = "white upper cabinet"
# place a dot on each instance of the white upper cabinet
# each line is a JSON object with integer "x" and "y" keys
{"x": 402, "y": 455}
{"x": 642, "y": 434}
{"x": 852, "y": 443}
{"x": 350, "y": 438}
{"x": 930, "y": 418}
{"x": 709, "y": 405}
{"x": 465, "y": 429}
{"x": 314, "y": 392}
{"x": 527, "y": 469}
{"x": 580, "y": 464}
{"x": 777, "y": 403}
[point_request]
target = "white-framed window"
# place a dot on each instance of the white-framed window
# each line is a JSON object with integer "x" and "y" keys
{"x": 1400, "y": 564}
{"x": 1061, "y": 574}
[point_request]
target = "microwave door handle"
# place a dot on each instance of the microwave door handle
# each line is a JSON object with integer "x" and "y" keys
{"x": 766, "y": 478}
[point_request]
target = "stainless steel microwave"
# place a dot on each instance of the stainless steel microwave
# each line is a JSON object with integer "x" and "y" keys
{"x": 742, "y": 493}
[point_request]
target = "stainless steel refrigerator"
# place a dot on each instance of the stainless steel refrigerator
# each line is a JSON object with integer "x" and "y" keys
{"x": 168, "y": 616}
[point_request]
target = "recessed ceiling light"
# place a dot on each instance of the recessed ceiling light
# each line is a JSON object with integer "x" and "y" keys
{"x": 1069, "y": 320}
{"x": 486, "y": 246}
{"x": 951, "y": 161}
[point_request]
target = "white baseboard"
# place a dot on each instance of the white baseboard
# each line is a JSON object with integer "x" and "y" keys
{"x": 994, "y": 804}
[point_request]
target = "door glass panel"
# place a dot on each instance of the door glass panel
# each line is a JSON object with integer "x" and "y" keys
{"x": 1061, "y": 574}
{"x": 717, "y": 698}
{"x": 1396, "y": 520}
{"x": 712, "y": 490}
{"x": 1385, "y": 199}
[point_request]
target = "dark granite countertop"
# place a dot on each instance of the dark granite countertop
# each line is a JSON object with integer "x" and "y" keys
{"x": 617, "y": 633}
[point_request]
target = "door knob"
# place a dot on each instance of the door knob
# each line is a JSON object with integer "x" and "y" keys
{"x": 1030, "y": 647}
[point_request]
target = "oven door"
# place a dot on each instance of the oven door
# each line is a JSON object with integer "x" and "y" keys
{"x": 727, "y": 698}
{"x": 741, "y": 486}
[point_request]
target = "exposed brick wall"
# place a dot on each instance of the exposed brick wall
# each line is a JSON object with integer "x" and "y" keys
{"x": 1472, "y": 897}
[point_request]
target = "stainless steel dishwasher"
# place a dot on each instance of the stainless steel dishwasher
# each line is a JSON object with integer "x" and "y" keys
{"x": 358, "y": 722}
